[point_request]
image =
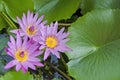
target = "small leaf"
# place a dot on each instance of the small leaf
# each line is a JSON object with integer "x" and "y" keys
{"x": 88, "y": 5}
{"x": 17, "y": 75}
{"x": 95, "y": 41}
{"x": 56, "y": 9}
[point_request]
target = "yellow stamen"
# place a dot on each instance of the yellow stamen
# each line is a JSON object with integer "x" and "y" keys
{"x": 31, "y": 30}
{"x": 21, "y": 55}
{"x": 51, "y": 41}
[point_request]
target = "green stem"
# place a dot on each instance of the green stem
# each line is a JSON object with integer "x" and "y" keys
{"x": 64, "y": 24}
{"x": 8, "y": 20}
{"x": 61, "y": 72}
{"x": 63, "y": 61}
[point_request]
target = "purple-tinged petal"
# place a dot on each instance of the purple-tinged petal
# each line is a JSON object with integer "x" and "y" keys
{"x": 38, "y": 64}
{"x": 13, "y": 47}
{"x": 30, "y": 65}
{"x": 18, "y": 67}
{"x": 48, "y": 30}
{"x": 55, "y": 52}
{"x": 55, "y": 28}
{"x": 24, "y": 20}
{"x": 35, "y": 17}
{"x": 30, "y": 19}
{"x": 41, "y": 42}
{"x": 28, "y": 16}
{"x": 20, "y": 23}
{"x": 33, "y": 59}
{"x": 47, "y": 53}
{"x": 12, "y": 40}
{"x": 36, "y": 38}
{"x": 22, "y": 32}
{"x": 65, "y": 35}
{"x": 65, "y": 40}
{"x": 39, "y": 20}
{"x": 18, "y": 41}
{"x": 43, "y": 31}
{"x": 37, "y": 53}
{"x": 29, "y": 43}
{"x": 42, "y": 47}
{"x": 25, "y": 42}
{"x": 41, "y": 38}
{"x": 16, "y": 31}
{"x": 23, "y": 69}
{"x": 68, "y": 49}
{"x": 44, "y": 22}
{"x": 11, "y": 64}
{"x": 64, "y": 48}
{"x": 52, "y": 51}
{"x": 24, "y": 65}
{"x": 33, "y": 48}
{"x": 60, "y": 32}
{"x": 51, "y": 25}
{"x": 9, "y": 52}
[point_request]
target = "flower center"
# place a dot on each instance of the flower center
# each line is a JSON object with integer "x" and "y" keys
{"x": 31, "y": 30}
{"x": 51, "y": 41}
{"x": 21, "y": 55}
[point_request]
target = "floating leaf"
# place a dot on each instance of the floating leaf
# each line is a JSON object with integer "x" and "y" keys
{"x": 3, "y": 41}
{"x": 3, "y": 23}
{"x": 2, "y": 70}
{"x": 1, "y": 5}
{"x": 95, "y": 41}
{"x": 17, "y": 75}
{"x": 88, "y": 5}
{"x": 56, "y": 9}
{"x": 16, "y": 8}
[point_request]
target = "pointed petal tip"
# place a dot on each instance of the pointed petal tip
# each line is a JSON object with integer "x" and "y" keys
{"x": 68, "y": 49}
{"x": 39, "y": 64}
{"x": 6, "y": 49}
{"x": 28, "y": 10}
{"x": 42, "y": 17}
{"x": 45, "y": 58}
{"x": 56, "y": 22}
{"x": 23, "y": 70}
{"x": 47, "y": 53}
{"x": 14, "y": 31}
{"x": 57, "y": 55}
{"x": 42, "y": 65}
{"x": 18, "y": 67}
{"x": 6, "y": 67}
{"x": 44, "y": 22}
{"x": 17, "y": 18}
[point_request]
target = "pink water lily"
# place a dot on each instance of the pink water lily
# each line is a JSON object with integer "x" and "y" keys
{"x": 52, "y": 40}
{"x": 24, "y": 53}
{"x": 29, "y": 24}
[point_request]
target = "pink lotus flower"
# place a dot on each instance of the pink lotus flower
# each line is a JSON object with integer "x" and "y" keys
{"x": 29, "y": 24}
{"x": 53, "y": 41}
{"x": 24, "y": 53}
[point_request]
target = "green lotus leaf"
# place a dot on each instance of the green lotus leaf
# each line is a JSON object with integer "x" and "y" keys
{"x": 56, "y": 9}
{"x": 17, "y": 75}
{"x": 88, "y": 5}
{"x": 95, "y": 43}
